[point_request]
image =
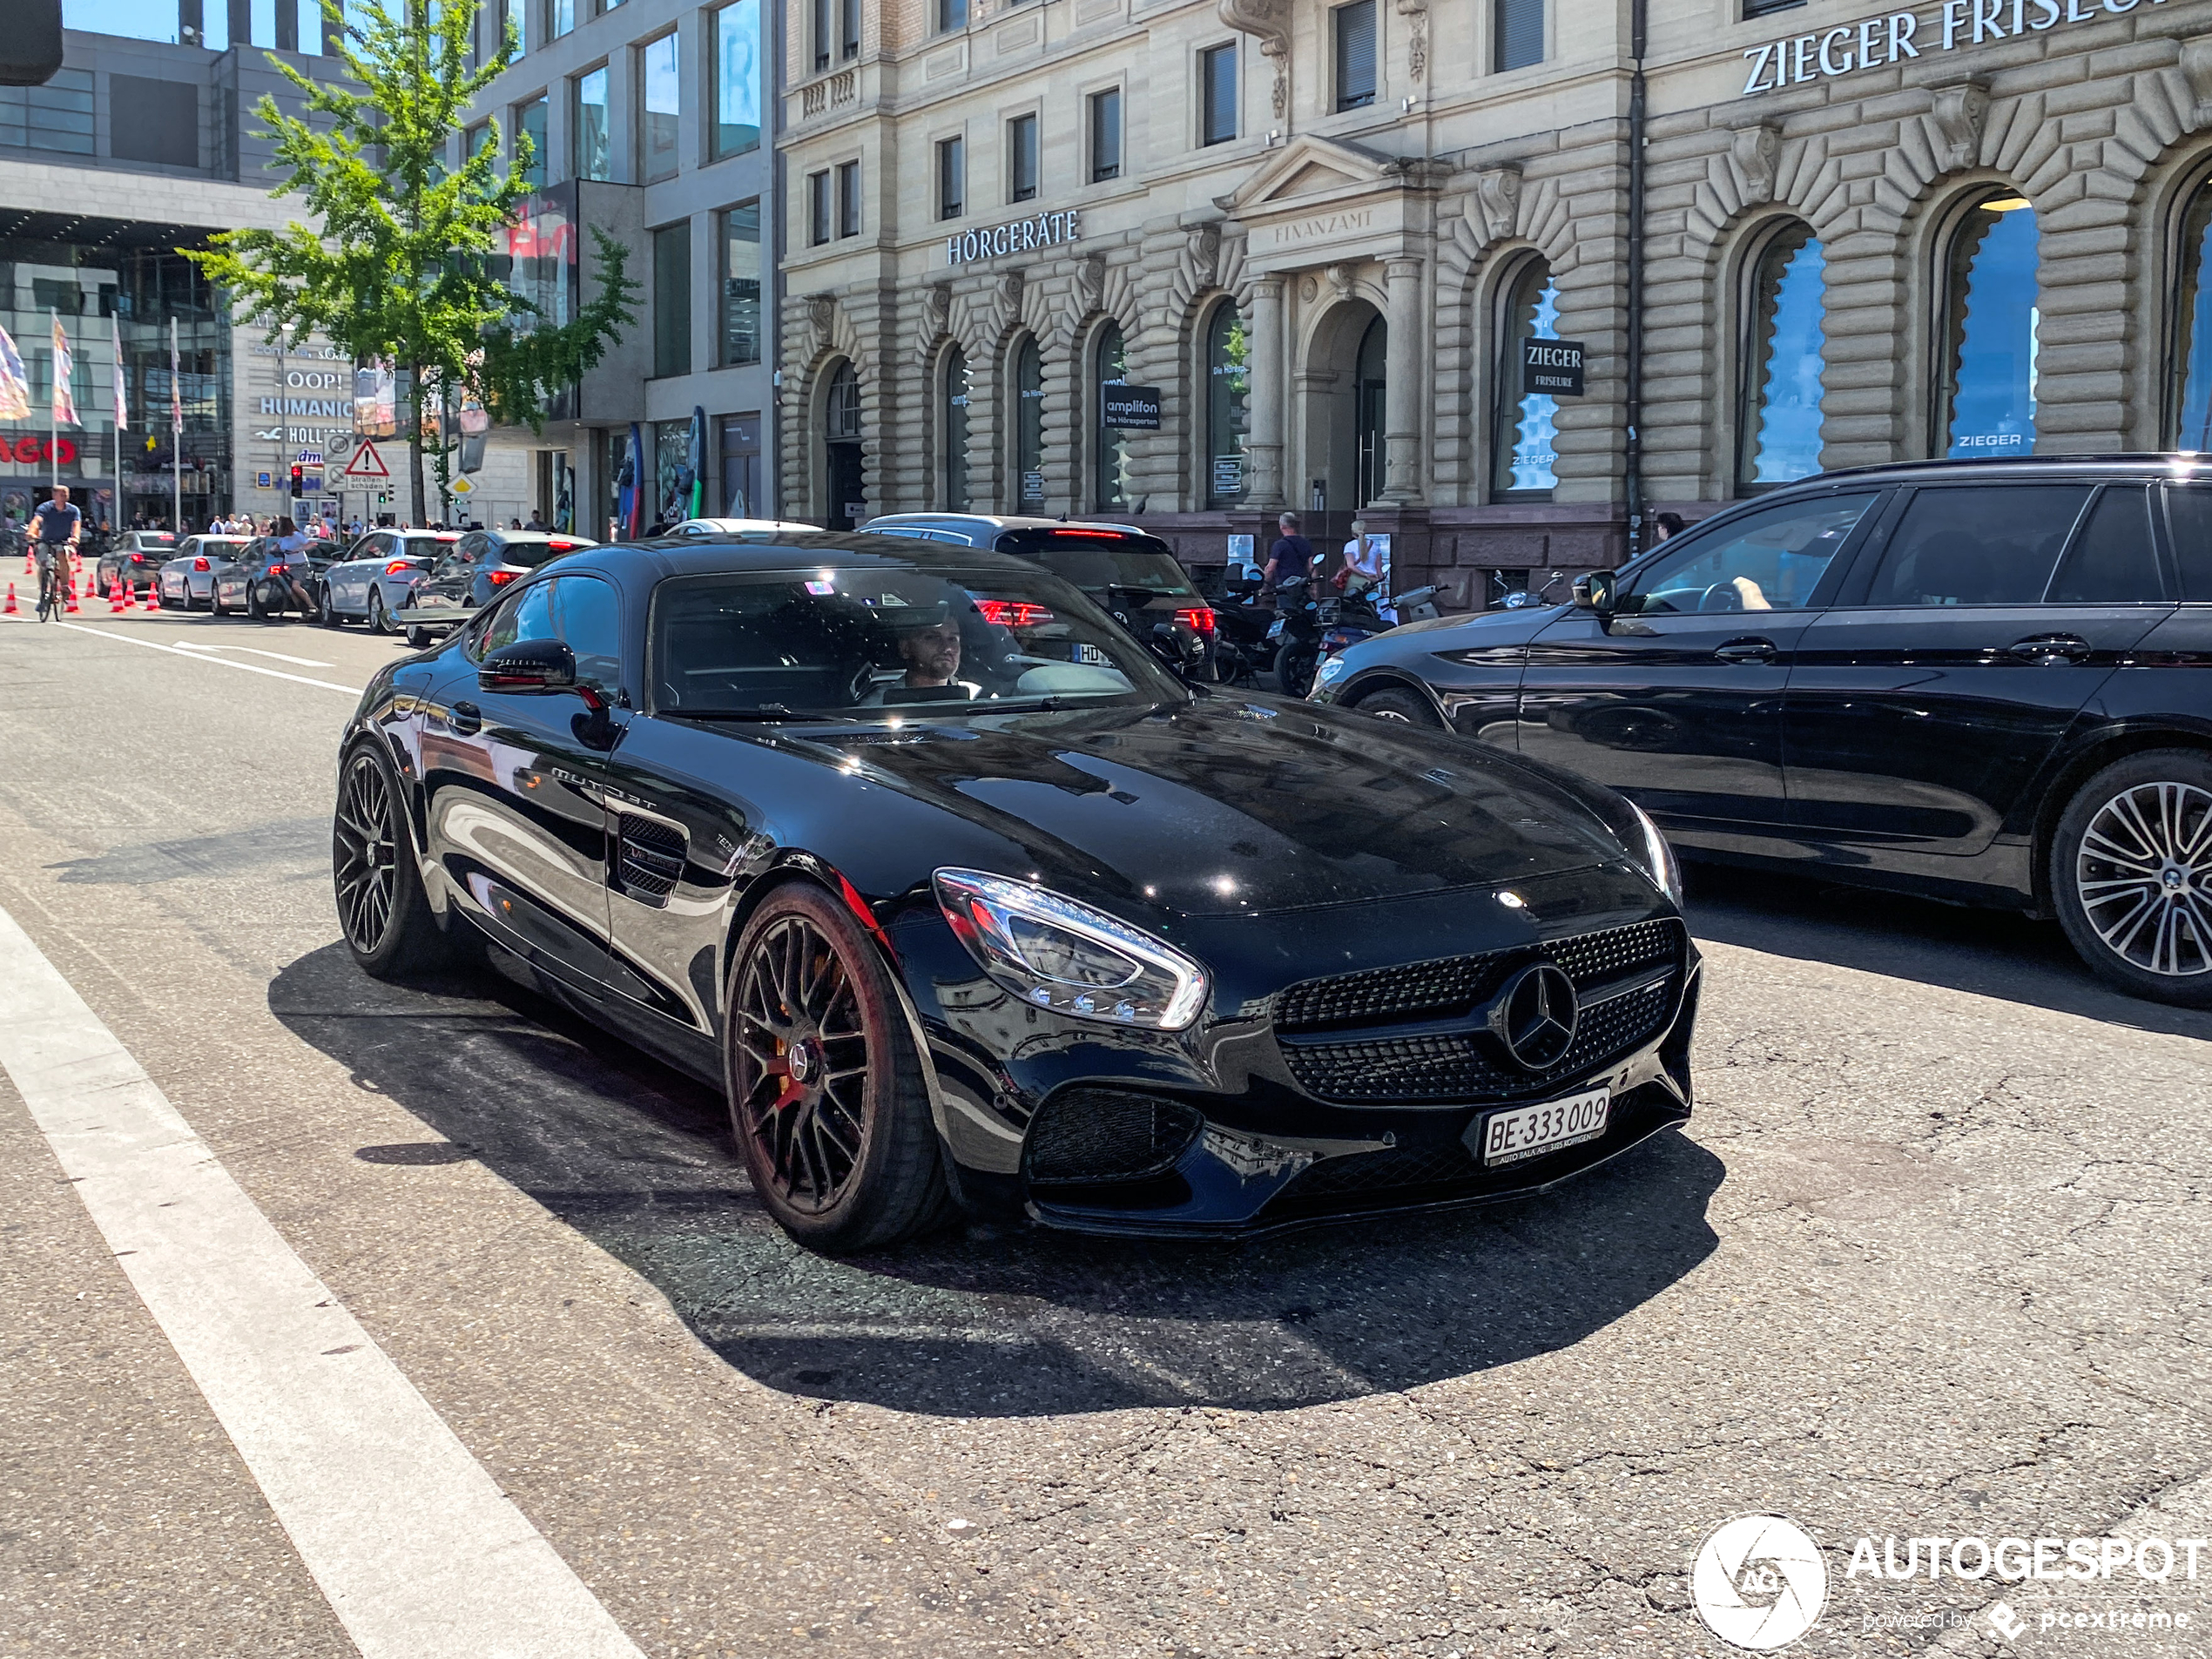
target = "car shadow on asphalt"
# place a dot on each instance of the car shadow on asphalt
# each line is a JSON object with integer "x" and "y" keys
{"x": 1987, "y": 953}
{"x": 988, "y": 1321}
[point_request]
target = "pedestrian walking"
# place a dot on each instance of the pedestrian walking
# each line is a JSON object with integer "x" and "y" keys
{"x": 1290, "y": 557}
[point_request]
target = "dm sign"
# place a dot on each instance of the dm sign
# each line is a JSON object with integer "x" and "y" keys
{"x": 1551, "y": 367}
{"x": 1133, "y": 408}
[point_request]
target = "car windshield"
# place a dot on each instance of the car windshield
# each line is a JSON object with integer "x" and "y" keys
{"x": 839, "y": 643}
{"x": 530, "y": 555}
{"x": 1096, "y": 560}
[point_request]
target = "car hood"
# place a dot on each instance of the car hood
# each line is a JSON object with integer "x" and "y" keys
{"x": 1225, "y": 806}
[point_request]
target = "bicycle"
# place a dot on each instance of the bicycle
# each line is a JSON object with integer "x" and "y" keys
{"x": 53, "y": 584}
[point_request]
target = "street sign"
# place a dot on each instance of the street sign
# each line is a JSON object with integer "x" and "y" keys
{"x": 1131, "y": 408}
{"x": 366, "y": 463}
{"x": 309, "y": 458}
{"x": 262, "y": 479}
{"x": 461, "y": 487}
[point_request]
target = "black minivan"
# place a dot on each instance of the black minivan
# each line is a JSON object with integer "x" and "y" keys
{"x": 1986, "y": 680}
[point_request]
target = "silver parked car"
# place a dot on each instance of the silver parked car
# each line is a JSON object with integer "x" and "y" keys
{"x": 377, "y": 573}
{"x": 188, "y": 580}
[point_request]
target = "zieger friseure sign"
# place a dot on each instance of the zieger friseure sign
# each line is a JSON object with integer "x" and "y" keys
{"x": 1017, "y": 236}
{"x": 1897, "y": 35}
{"x": 1551, "y": 367}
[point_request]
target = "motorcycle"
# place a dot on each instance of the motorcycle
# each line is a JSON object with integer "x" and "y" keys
{"x": 1241, "y": 622}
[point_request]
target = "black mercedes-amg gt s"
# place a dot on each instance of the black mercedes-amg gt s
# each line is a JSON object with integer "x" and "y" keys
{"x": 966, "y": 900}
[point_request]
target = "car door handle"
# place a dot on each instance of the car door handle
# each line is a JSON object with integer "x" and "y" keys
{"x": 1745, "y": 651}
{"x": 2050, "y": 648}
{"x": 466, "y": 718}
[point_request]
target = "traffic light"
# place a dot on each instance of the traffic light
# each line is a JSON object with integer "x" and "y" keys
{"x": 30, "y": 41}
{"x": 299, "y": 481}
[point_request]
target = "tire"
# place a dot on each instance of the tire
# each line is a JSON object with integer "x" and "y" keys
{"x": 1294, "y": 666}
{"x": 383, "y": 909}
{"x": 379, "y": 621}
{"x": 253, "y": 609}
{"x": 845, "y": 1155}
{"x": 2131, "y": 875}
{"x": 1400, "y": 707}
{"x": 324, "y": 614}
{"x": 417, "y": 639}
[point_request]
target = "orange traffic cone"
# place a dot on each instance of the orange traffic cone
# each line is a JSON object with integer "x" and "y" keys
{"x": 115, "y": 599}
{"x": 72, "y": 605}
{"x": 11, "y": 609}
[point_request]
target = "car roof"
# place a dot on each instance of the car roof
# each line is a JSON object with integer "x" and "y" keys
{"x": 1006, "y": 522}
{"x": 1984, "y": 469}
{"x": 535, "y": 536}
{"x": 747, "y": 550}
{"x": 795, "y": 525}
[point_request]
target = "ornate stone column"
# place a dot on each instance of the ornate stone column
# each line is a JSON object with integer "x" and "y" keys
{"x": 1408, "y": 372}
{"x": 1266, "y": 397}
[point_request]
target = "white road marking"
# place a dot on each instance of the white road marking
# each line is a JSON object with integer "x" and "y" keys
{"x": 420, "y": 1554}
{"x": 193, "y": 655}
{"x": 273, "y": 655}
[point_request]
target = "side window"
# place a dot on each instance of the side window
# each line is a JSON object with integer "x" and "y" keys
{"x": 526, "y": 616}
{"x": 1976, "y": 547}
{"x": 2189, "y": 515}
{"x": 587, "y": 613}
{"x": 1766, "y": 561}
{"x": 2112, "y": 561}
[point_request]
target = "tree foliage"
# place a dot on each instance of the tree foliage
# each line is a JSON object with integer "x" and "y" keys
{"x": 403, "y": 264}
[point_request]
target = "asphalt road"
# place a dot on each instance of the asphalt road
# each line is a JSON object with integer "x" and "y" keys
{"x": 1931, "y": 1260}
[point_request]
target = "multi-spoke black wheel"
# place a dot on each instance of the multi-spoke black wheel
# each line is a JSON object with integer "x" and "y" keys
{"x": 825, "y": 1091}
{"x": 381, "y": 906}
{"x": 2131, "y": 869}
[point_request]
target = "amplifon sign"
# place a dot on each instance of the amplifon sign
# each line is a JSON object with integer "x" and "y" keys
{"x": 1899, "y": 35}
{"x": 1017, "y": 236}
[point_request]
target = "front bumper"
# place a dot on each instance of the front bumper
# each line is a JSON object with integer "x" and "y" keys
{"x": 1255, "y": 1127}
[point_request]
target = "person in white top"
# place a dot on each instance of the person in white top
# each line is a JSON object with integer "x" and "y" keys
{"x": 1364, "y": 568}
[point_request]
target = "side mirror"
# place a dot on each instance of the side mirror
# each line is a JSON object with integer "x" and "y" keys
{"x": 529, "y": 667}
{"x": 1595, "y": 592}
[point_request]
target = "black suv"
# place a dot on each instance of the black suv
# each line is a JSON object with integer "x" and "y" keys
{"x": 1135, "y": 578}
{"x": 1979, "y": 680}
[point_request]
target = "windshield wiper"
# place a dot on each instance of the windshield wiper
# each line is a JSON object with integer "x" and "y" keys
{"x": 773, "y": 711}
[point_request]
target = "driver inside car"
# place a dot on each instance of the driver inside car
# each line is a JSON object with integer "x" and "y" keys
{"x": 929, "y": 646}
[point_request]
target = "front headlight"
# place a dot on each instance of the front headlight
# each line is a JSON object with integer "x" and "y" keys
{"x": 1067, "y": 957}
{"x": 1331, "y": 667}
{"x": 1657, "y": 857}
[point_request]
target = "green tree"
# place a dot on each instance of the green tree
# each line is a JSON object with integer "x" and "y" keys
{"x": 400, "y": 266}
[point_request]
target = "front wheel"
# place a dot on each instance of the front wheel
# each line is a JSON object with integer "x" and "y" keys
{"x": 2131, "y": 875}
{"x": 324, "y": 614}
{"x": 381, "y": 906}
{"x": 1406, "y": 708}
{"x": 827, "y": 1097}
{"x": 1294, "y": 666}
{"x": 255, "y": 608}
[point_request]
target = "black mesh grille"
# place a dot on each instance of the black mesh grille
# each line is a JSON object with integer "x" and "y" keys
{"x": 1453, "y": 983}
{"x": 1370, "y": 1064}
{"x": 1401, "y": 1167}
{"x": 651, "y": 858}
{"x": 1087, "y": 1135}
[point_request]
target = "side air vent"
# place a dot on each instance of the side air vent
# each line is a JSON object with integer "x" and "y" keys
{"x": 649, "y": 859}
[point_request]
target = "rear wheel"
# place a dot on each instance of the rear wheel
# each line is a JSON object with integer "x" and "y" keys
{"x": 379, "y": 621}
{"x": 1404, "y": 707}
{"x": 827, "y": 1097}
{"x": 1294, "y": 666}
{"x": 417, "y": 639}
{"x": 381, "y": 906}
{"x": 2131, "y": 875}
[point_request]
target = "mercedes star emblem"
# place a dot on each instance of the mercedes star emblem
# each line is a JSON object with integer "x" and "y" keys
{"x": 1534, "y": 1016}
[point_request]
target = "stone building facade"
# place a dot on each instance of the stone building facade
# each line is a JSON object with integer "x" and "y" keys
{"x": 1971, "y": 226}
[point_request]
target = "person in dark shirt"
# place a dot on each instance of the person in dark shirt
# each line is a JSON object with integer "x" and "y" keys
{"x": 1291, "y": 557}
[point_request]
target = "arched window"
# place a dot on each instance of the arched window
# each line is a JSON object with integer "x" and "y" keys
{"x": 1226, "y": 386}
{"x": 844, "y": 403}
{"x": 1777, "y": 424}
{"x": 1371, "y": 383}
{"x": 1984, "y": 379}
{"x": 1523, "y": 437}
{"x": 1028, "y": 427}
{"x": 955, "y": 430}
{"x": 2189, "y": 418}
{"x": 843, "y": 481}
{"x": 1109, "y": 367}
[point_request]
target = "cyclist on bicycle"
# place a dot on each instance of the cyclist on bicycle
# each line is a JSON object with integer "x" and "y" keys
{"x": 57, "y": 528}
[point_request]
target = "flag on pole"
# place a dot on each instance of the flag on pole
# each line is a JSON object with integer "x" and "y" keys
{"x": 122, "y": 394}
{"x": 15, "y": 384}
{"x": 64, "y": 370}
{"x": 176, "y": 384}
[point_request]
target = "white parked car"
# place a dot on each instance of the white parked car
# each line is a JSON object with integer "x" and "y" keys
{"x": 189, "y": 579}
{"x": 728, "y": 526}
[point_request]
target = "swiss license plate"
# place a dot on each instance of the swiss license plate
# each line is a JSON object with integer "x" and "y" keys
{"x": 1525, "y": 1131}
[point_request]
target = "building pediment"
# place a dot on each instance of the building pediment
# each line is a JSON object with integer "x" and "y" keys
{"x": 1310, "y": 171}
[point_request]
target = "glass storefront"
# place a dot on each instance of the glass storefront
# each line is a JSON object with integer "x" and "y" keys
{"x": 1991, "y": 321}
{"x": 130, "y": 284}
{"x": 1526, "y": 438}
{"x": 1779, "y": 424}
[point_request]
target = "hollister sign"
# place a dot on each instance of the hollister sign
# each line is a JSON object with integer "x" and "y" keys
{"x": 1551, "y": 367}
{"x": 1899, "y": 35}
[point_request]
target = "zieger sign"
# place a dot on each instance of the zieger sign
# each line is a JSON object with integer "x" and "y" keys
{"x": 1133, "y": 408}
{"x": 1551, "y": 367}
{"x": 1897, "y": 35}
{"x": 1017, "y": 236}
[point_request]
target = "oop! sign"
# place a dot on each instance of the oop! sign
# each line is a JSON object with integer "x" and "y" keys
{"x": 1892, "y": 39}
